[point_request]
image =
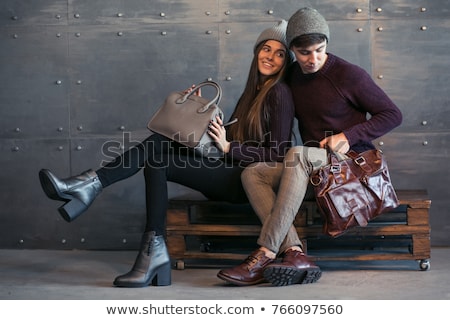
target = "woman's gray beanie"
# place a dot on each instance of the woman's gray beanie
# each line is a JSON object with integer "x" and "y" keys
{"x": 306, "y": 21}
{"x": 277, "y": 32}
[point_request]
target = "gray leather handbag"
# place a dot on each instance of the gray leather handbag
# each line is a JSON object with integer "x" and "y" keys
{"x": 185, "y": 118}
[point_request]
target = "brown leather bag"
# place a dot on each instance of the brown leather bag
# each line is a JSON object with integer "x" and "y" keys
{"x": 353, "y": 191}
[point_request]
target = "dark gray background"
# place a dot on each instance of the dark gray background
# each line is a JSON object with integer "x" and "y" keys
{"x": 75, "y": 74}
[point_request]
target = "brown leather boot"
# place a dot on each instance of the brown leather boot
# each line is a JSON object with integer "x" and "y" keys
{"x": 249, "y": 272}
{"x": 295, "y": 268}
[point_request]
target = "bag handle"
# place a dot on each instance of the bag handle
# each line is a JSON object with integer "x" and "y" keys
{"x": 215, "y": 100}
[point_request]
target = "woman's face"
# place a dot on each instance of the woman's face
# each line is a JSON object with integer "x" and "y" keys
{"x": 271, "y": 57}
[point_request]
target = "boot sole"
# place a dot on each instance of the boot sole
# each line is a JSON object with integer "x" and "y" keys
{"x": 50, "y": 188}
{"x": 285, "y": 276}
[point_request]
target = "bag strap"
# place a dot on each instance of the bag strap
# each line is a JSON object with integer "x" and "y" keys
{"x": 215, "y": 100}
{"x": 359, "y": 160}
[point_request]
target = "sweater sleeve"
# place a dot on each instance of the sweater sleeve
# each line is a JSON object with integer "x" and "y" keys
{"x": 366, "y": 95}
{"x": 278, "y": 139}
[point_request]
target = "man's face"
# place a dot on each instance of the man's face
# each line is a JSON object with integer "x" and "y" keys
{"x": 311, "y": 59}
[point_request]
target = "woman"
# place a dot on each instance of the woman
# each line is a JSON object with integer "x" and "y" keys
{"x": 263, "y": 133}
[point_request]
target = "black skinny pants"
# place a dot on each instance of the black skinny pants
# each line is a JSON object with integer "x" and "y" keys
{"x": 165, "y": 160}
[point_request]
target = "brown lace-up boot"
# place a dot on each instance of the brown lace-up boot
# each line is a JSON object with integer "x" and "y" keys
{"x": 295, "y": 268}
{"x": 249, "y": 272}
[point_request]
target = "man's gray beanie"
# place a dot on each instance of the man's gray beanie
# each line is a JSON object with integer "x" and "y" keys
{"x": 277, "y": 32}
{"x": 306, "y": 21}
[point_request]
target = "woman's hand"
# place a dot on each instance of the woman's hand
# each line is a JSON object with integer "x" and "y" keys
{"x": 337, "y": 143}
{"x": 219, "y": 135}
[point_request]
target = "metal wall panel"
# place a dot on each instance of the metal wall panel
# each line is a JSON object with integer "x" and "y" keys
{"x": 33, "y": 12}
{"x": 124, "y": 73}
{"x": 85, "y": 12}
{"x": 411, "y": 70}
{"x": 76, "y": 74}
{"x": 33, "y": 78}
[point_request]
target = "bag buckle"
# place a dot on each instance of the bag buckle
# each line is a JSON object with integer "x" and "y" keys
{"x": 335, "y": 168}
{"x": 360, "y": 161}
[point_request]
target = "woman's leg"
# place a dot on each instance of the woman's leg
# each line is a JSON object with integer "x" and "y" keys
{"x": 216, "y": 180}
{"x": 213, "y": 178}
{"x": 78, "y": 192}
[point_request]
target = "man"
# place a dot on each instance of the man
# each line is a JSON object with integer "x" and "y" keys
{"x": 332, "y": 98}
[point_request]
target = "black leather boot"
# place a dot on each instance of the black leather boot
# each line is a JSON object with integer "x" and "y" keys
{"x": 152, "y": 264}
{"x": 77, "y": 192}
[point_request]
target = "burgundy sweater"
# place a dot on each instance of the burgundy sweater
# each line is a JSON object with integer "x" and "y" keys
{"x": 337, "y": 99}
{"x": 279, "y": 134}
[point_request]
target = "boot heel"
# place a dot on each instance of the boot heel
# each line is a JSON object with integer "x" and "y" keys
{"x": 72, "y": 209}
{"x": 163, "y": 276}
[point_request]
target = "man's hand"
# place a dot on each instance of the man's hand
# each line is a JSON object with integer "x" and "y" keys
{"x": 337, "y": 143}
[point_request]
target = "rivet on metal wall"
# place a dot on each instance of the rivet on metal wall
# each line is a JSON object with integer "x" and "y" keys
{"x": 60, "y": 148}
{"x": 209, "y": 79}
{"x": 60, "y": 129}
{"x": 58, "y": 16}
{"x": 423, "y": 9}
{"x": 425, "y": 143}
{"x": 379, "y": 9}
{"x": 79, "y": 82}
{"x": 380, "y": 29}
{"x": 228, "y": 78}
{"x": 58, "y": 82}
{"x": 21, "y": 241}
{"x": 424, "y": 122}
{"x": 381, "y": 143}
{"x": 77, "y": 34}
{"x": 14, "y": 18}
{"x": 358, "y": 10}
{"x": 208, "y": 32}
{"x": 120, "y": 33}
{"x": 228, "y": 31}
{"x": 270, "y": 11}
{"x": 162, "y": 14}
{"x": 122, "y": 128}
{"x": 15, "y": 36}
{"x": 82, "y": 240}
{"x": 15, "y": 149}
{"x": 17, "y": 130}
{"x": 163, "y": 33}
{"x": 76, "y": 15}
{"x": 58, "y": 35}
{"x": 63, "y": 241}
{"x": 208, "y": 13}
{"x": 124, "y": 240}
{"x": 360, "y": 29}
{"x": 80, "y": 127}
{"x": 423, "y": 28}
{"x": 120, "y": 15}
{"x": 78, "y": 148}
{"x": 228, "y": 12}
{"x": 380, "y": 76}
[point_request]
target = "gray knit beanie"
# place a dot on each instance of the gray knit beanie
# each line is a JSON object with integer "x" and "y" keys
{"x": 306, "y": 21}
{"x": 277, "y": 32}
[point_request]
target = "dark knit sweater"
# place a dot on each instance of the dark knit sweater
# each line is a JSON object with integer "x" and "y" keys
{"x": 279, "y": 134}
{"x": 338, "y": 99}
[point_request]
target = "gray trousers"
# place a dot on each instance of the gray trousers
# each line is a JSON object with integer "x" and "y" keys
{"x": 276, "y": 192}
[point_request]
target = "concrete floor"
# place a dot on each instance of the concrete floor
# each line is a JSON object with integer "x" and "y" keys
{"x": 88, "y": 275}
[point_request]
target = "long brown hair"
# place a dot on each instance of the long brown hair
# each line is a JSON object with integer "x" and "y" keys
{"x": 253, "y": 107}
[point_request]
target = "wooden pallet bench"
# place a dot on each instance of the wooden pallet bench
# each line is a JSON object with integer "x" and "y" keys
{"x": 207, "y": 231}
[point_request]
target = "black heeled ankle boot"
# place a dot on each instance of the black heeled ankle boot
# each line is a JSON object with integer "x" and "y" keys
{"x": 77, "y": 192}
{"x": 152, "y": 264}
